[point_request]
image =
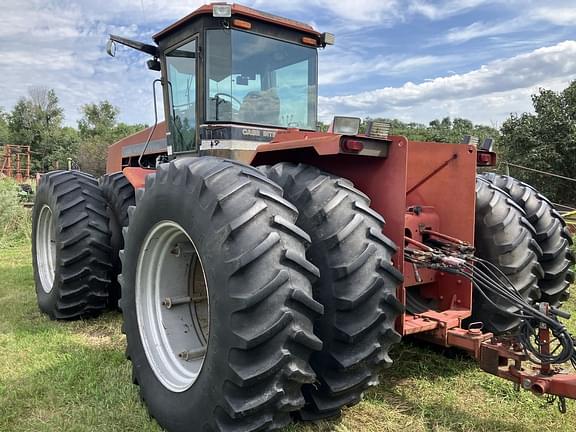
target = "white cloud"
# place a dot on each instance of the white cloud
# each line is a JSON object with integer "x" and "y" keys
{"x": 561, "y": 16}
{"x": 377, "y": 12}
{"x": 341, "y": 67}
{"x": 360, "y": 11}
{"x": 445, "y": 9}
{"x": 61, "y": 46}
{"x": 530, "y": 16}
{"x": 491, "y": 88}
{"x": 481, "y": 29}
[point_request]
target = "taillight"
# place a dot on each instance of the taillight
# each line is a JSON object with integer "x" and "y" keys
{"x": 353, "y": 145}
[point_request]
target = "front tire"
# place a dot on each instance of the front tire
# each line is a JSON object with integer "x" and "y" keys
{"x": 71, "y": 252}
{"x": 243, "y": 355}
{"x": 357, "y": 286}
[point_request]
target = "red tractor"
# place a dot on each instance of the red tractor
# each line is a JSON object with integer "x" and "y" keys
{"x": 265, "y": 269}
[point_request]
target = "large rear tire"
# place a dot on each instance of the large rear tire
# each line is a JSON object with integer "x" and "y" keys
{"x": 71, "y": 252}
{"x": 551, "y": 235}
{"x": 504, "y": 237}
{"x": 357, "y": 286}
{"x": 236, "y": 358}
{"x": 119, "y": 195}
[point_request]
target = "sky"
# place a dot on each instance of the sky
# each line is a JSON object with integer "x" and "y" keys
{"x": 414, "y": 60}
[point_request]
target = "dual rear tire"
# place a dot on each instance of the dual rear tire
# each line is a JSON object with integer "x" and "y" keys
{"x": 216, "y": 240}
{"x": 118, "y": 193}
{"x": 550, "y": 233}
{"x": 77, "y": 226}
{"x": 357, "y": 288}
{"x": 71, "y": 246}
{"x": 518, "y": 230}
{"x": 250, "y": 368}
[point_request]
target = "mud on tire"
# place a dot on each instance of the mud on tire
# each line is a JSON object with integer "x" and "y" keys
{"x": 551, "y": 234}
{"x": 70, "y": 246}
{"x": 260, "y": 297}
{"x": 357, "y": 286}
{"x": 504, "y": 237}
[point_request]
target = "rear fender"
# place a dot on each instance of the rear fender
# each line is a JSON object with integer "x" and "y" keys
{"x": 137, "y": 176}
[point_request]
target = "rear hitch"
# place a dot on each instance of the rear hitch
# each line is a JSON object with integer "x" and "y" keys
{"x": 506, "y": 360}
{"x": 534, "y": 359}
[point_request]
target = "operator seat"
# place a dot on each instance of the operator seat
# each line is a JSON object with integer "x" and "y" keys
{"x": 260, "y": 107}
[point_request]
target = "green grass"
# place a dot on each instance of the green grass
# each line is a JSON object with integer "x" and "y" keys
{"x": 73, "y": 377}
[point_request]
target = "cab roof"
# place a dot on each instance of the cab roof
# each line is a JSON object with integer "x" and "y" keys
{"x": 239, "y": 10}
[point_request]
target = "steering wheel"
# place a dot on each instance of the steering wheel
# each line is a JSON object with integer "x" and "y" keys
{"x": 232, "y": 98}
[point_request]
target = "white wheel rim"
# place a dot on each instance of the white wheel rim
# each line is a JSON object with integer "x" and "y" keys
{"x": 174, "y": 337}
{"x": 46, "y": 248}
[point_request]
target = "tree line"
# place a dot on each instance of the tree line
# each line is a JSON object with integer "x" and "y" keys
{"x": 37, "y": 120}
{"x": 544, "y": 139}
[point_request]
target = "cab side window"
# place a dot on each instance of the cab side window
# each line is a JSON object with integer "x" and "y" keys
{"x": 181, "y": 65}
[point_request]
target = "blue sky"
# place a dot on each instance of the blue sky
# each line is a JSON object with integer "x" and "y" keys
{"x": 415, "y": 60}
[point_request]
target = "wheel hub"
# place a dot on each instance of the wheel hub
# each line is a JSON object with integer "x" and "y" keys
{"x": 172, "y": 306}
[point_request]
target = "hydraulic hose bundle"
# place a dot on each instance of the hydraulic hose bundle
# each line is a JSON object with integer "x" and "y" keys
{"x": 457, "y": 257}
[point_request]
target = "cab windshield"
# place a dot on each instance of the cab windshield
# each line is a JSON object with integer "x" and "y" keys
{"x": 258, "y": 80}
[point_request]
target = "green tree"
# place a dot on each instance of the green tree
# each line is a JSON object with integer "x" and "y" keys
{"x": 545, "y": 140}
{"x": 444, "y": 130}
{"x": 98, "y": 119}
{"x": 98, "y": 128}
{"x": 4, "y": 131}
{"x": 67, "y": 146}
{"x": 36, "y": 121}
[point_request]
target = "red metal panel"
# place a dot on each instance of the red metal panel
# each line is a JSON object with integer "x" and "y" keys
{"x": 114, "y": 160}
{"x": 443, "y": 176}
{"x": 137, "y": 176}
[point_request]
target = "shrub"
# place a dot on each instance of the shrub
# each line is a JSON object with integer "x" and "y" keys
{"x": 15, "y": 219}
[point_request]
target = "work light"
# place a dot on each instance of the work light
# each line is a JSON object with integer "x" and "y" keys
{"x": 328, "y": 39}
{"x": 345, "y": 125}
{"x": 221, "y": 11}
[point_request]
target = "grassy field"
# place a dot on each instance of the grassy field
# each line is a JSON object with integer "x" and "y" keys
{"x": 73, "y": 377}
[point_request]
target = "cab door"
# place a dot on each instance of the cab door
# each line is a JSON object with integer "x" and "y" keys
{"x": 181, "y": 86}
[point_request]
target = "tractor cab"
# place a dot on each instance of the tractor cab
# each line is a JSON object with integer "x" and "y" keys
{"x": 232, "y": 77}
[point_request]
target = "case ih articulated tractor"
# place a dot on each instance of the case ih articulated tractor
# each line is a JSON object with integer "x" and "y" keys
{"x": 264, "y": 269}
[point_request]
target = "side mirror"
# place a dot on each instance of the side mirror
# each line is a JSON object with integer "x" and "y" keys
{"x": 111, "y": 48}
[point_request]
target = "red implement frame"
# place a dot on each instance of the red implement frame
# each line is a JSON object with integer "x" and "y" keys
{"x": 500, "y": 357}
{"x": 16, "y": 162}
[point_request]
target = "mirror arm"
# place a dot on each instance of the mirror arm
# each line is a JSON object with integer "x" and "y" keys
{"x": 140, "y": 46}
